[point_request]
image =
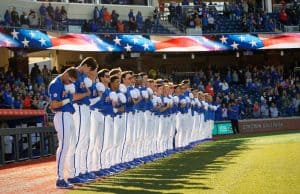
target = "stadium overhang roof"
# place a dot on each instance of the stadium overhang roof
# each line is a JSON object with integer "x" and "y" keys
{"x": 40, "y": 40}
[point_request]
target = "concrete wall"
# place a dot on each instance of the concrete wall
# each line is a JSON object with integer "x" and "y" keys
{"x": 75, "y": 10}
{"x": 269, "y": 125}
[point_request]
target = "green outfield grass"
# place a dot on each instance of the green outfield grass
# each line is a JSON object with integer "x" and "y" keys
{"x": 267, "y": 163}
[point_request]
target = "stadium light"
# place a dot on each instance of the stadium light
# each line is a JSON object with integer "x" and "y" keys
{"x": 192, "y": 56}
{"x": 164, "y": 56}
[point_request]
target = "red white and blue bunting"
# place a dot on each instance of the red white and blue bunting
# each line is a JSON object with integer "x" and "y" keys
{"x": 35, "y": 39}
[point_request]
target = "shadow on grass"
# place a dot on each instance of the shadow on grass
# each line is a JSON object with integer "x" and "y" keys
{"x": 176, "y": 172}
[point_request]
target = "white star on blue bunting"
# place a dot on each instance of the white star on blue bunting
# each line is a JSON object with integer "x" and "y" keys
{"x": 128, "y": 43}
{"x": 32, "y": 38}
{"x": 245, "y": 41}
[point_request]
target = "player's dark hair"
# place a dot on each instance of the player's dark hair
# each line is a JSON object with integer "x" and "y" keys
{"x": 90, "y": 62}
{"x": 114, "y": 71}
{"x": 123, "y": 75}
{"x": 165, "y": 81}
{"x": 72, "y": 72}
{"x": 102, "y": 72}
{"x": 113, "y": 78}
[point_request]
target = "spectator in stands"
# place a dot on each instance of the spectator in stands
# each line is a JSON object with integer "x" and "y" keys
{"x": 233, "y": 115}
{"x": 156, "y": 16}
{"x": 139, "y": 21}
{"x": 190, "y": 22}
{"x": 256, "y": 110}
{"x": 172, "y": 10}
{"x": 86, "y": 26}
{"x": 296, "y": 103}
{"x": 41, "y": 103}
{"x": 283, "y": 16}
{"x": 96, "y": 13}
{"x": 114, "y": 18}
{"x": 54, "y": 71}
{"x": 271, "y": 25}
{"x": 198, "y": 22}
{"x": 18, "y": 104}
{"x": 64, "y": 17}
{"x": 48, "y": 22}
{"x": 211, "y": 22}
{"x": 106, "y": 18}
{"x": 27, "y": 102}
{"x": 93, "y": 26}
{"x": 35, "y": 102}
{"x": 57, "y": 18}
{"x": 34, "y": 72}
{"x": 46, "y": 74}
{"x": 24, "y": 20}
{"x": 264, "y": 108}
{"x": 224, "y": 87}
{"x": 120, "y": 26}
{"x": 7, "y": 18}
{"x": 43, "y": 11}
{"x": 50, "y": 11}
{"x": 226, "y": 10}
{"x": 204, "y": 22}
{"x": 224, "y": 112}
{"x": 148, "y": 25}
{"x": 294, "y": 15}
{"x": 33, "y": 19}
{"x": 15, "y": 17}
{"x": 8, "y": 99}
{"x": 235, "y": 77}
{"x": 273, "y": 111}
{"x": 209, "y": 89}
{"x": 132, "y": 21}
{"x": 131, "y": 15}
{"x": 238, "y": 13}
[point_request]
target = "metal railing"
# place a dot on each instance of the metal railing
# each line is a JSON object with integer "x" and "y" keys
{"x": 18, "y": 144}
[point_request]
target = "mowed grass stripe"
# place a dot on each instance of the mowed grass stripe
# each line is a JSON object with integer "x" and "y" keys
{"x": 266, "y": 163}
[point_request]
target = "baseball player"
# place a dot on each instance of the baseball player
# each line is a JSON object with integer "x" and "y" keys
{"x": 99, "y": 93}
{"x": 61, "y": 95}
{"x": 126, "y": 87}
{"x": 81, "y": 117}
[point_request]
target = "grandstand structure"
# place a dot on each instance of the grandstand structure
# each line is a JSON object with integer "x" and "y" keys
{"x": 170, "y": 49}
{"x": 173, "y": 18}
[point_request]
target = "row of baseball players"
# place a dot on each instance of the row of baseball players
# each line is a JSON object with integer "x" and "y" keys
{"x": 111, "y": 120}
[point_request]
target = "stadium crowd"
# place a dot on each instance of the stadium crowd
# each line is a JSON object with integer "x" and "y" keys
{"x": 259, "y": 91}
{"x": 275, "y": 95}
{"x": 247, "y": 16}
{"x": 47, "y": 18}
{"x": 20, "y": 92}
{"x": 104, "y": 19}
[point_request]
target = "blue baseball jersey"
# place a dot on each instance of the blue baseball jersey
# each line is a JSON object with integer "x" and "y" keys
{"x": 107, "y": 106}
{"x": 129, "y": 106}
{"x": 81, "y": 88}
{"x": 101, "y": 103}
{"x": 57, "y": 92}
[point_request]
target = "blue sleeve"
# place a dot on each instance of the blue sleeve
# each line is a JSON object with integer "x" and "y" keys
{"x": 55, "y": 92}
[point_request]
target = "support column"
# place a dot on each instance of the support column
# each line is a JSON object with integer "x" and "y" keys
{"x": 269, "y": 7}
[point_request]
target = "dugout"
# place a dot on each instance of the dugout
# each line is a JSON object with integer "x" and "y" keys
{"x": 23, "y": 135}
